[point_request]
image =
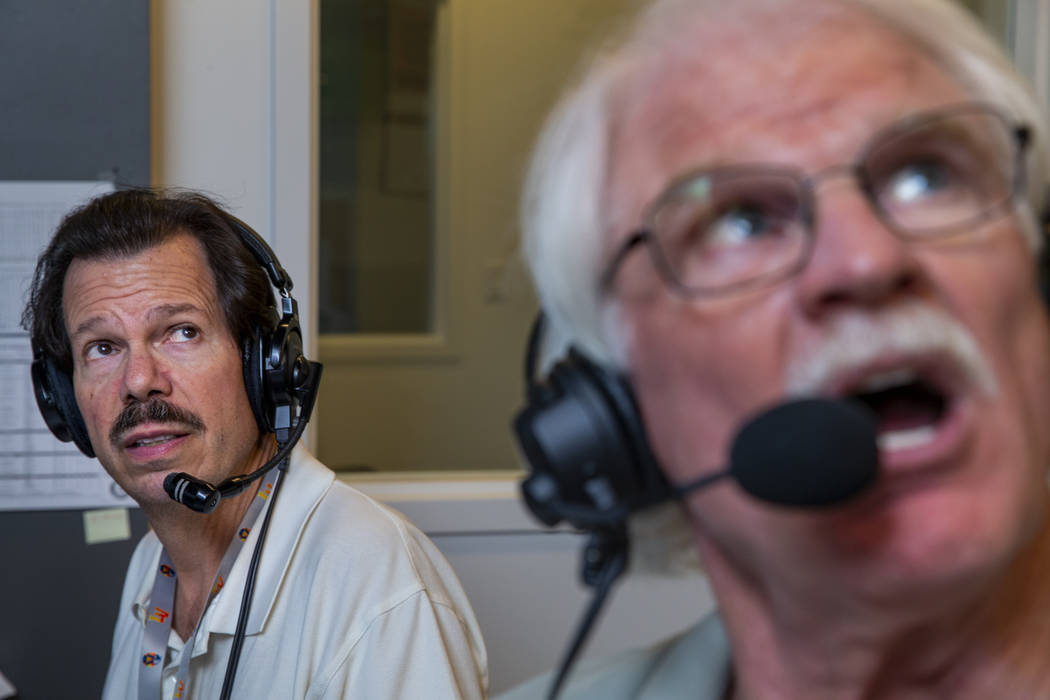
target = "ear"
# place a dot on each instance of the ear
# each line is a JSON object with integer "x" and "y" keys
{"x": 252, "y": 364}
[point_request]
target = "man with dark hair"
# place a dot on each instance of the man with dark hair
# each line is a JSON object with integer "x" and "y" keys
{"x": 147, "y": 312}
{"x": 770, "y": 203}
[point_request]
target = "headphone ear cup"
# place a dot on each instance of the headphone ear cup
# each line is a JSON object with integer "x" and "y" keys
{"x": 646, "y": 480}
{"x": 253, "y": 362}
{"x": 274, "y": 370}
{"x": 285, "y": 366}
{"x": 58, "y": 404}
{"x": 583, "y": 437}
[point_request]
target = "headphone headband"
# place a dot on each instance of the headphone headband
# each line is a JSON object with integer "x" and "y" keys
{"x": 263, "y": 254}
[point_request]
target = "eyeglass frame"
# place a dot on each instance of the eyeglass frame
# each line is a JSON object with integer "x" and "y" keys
{"x": 1021, "y": 136}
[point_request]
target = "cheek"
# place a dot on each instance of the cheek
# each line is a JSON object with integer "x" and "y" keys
{"x": 88, "y": 399}
{"x": 698, "y": 372}
{"x": 1029, "y": 375}
{"x": 1010, "y": 319}
{"x": 995, "y": 296}
{"x": 234, "y": 405}
{"x": 1031, "y": 355}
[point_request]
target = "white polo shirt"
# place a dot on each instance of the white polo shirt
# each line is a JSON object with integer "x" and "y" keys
{"x": 351, "y": 600}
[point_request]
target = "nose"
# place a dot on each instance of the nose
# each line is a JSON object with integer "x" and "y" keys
{"x": 857, "y": 260}
{"x": 144, "y": 376}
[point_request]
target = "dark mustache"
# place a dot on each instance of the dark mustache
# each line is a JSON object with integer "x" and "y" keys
{"x": 152, "y": 411}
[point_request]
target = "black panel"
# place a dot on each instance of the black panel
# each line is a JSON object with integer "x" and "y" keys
{"x": 74, "y": 90}
{"x": 58, "y": 602}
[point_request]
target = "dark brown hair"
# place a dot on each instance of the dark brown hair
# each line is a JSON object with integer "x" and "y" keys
{"x": 128, "y": 222}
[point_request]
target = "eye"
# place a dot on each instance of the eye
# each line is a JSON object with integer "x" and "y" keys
{"x": 739, "y": 224}
{"x": 761, "y": 217}
{"x": 184, "y": 334}
{"x": 99, "y": 349}
{"x": 916, "y": 181}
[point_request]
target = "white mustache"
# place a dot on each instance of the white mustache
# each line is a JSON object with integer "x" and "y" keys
{"x": 855, "y": 340}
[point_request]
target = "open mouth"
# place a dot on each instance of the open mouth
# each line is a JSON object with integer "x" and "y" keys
{"x": 910, "y": 407}
{"x": 155, "y": 440}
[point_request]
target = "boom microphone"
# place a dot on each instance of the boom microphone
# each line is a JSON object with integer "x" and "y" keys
{"x": 807, "y": 453}
{"x": 196, "y": 494}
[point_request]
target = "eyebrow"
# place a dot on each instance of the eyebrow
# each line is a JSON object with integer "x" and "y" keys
{"x": 157, "y": 312}
{"x": 169, "y": 310}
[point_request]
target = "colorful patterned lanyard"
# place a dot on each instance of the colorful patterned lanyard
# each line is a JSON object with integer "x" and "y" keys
{"x": 162, "y": 600}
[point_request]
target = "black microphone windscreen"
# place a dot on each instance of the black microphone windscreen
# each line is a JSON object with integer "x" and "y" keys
{"x": 806, "y": 453}
{"x": 196, "y": 494}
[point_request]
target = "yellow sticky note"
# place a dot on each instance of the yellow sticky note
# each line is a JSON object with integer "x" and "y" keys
{"x": 106, "y": 525}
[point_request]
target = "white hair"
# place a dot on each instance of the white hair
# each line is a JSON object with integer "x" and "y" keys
{"x": 565, "y": 212}
{"x": 565, "y": 208}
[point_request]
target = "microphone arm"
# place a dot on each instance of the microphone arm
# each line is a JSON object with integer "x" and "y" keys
{"x": 203, "y": 497}
{"x": 704, "y": 481}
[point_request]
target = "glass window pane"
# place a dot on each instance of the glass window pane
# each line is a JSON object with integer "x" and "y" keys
{"x": 376, "y": 225}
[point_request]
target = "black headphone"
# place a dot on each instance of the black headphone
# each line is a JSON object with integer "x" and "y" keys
{"x": 582, "y": 434}
{"x": 275, "y": 370}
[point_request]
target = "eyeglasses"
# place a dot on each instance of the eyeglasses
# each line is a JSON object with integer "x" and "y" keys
{"x": 931, "y": 176}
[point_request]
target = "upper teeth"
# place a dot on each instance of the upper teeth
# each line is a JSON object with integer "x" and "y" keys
{"x": 897, "y": 377}
{"x": 905, "y": 439}
{"x": 153, "y": 440}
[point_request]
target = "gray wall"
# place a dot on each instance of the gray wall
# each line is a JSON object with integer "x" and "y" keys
{"x": 58, "y": 602}
{"x": 74, "y": 90}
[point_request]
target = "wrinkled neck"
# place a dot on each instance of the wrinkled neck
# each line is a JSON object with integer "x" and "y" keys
{"x": 981, "y": 641}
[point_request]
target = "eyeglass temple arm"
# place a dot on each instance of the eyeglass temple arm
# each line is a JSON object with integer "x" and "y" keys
{"x": 634, "y": 240}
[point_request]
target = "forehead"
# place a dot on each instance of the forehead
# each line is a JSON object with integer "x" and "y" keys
{"x": 801, "y": 89}
{"x": 174, "y": 273}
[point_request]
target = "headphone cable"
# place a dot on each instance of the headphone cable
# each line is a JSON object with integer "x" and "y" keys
{"x": 249, "y": 588}
{"x": 605, "y": 558}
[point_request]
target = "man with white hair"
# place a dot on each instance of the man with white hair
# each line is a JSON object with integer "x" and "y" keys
{"x": 742, "y": 203}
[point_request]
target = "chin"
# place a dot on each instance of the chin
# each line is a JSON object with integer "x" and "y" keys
{"x": 939, "y": 540}
{"x": 148, "y": 490}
